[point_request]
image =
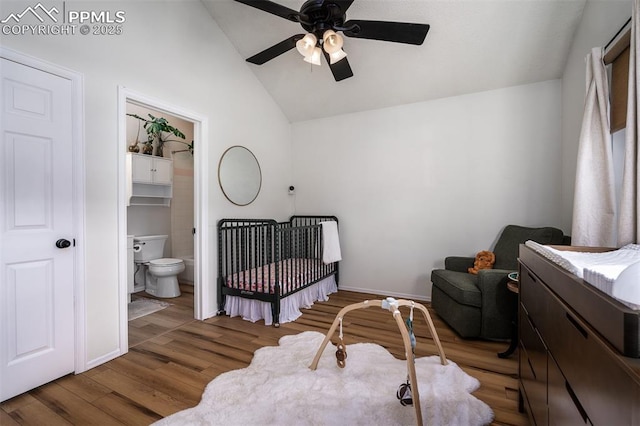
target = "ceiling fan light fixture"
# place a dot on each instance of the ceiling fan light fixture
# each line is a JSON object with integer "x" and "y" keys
{"x": 321, "y": 21}
{"x": 331, "y": 42}
{"x": 314, "y": 58}
{"x": 337, "y": 56}
{"x": 306, "y": 44}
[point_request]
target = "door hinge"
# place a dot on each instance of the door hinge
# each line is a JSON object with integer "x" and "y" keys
{"x": 193, "y": 231}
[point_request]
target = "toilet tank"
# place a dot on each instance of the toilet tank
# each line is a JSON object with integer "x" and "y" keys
{"x": 148, "y": 247}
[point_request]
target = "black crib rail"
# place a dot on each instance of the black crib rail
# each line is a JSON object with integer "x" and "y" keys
{"x": 246, "y": 245}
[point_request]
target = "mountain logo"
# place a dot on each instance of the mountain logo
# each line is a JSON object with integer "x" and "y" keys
{"x": 38, "y": 11}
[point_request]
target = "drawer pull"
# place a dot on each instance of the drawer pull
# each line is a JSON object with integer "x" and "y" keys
{"x": 573, "y": 321}
{"x": 575, "y": 400}
{"x": 533, "y": 278}
{"x": 535, "y": 377}
{"x": 531, "y": 323}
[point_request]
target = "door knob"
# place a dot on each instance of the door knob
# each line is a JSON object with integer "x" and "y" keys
{"x": 62, "y": 243}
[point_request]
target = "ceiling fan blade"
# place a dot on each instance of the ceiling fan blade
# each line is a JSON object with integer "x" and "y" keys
{"x": 275, "y": 50}
{"x": 398, "y": 32}
{"x": 273, "y": 8}
{"x": 340, "y": 69}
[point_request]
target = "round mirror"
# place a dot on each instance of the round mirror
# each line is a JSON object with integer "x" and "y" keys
{"x": 239, "y": 175}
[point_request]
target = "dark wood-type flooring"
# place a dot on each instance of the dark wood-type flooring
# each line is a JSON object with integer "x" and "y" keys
{"x": 172, "y": 357}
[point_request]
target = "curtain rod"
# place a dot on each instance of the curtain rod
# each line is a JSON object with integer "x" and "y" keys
{"x": 618, "y": 33}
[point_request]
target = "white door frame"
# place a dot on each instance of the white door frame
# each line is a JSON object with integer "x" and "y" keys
{"x": 79, "y": 279}
{"x": 202, "y": 297}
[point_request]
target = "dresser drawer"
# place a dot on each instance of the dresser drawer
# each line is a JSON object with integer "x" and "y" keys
{"x": 564, "y": 407}
{"x": 535, "y": 299}
{"x": 533, "y": 369}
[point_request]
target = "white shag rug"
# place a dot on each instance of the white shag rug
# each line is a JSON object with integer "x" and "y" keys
{"x": 278, "y": 388}
{"x": 143, "y": 306}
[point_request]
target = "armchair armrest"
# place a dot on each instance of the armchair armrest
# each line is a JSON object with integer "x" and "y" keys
{"x": 488, "y": 279}
{"x": 458, "y": 263}
{"x": 497, "y": 302}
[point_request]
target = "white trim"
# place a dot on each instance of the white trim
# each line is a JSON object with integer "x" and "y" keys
{"x": 123, "y": 290}
{"x": 203, "y": 305}
{"x": 79, "y": 212}
{"x": 103, "y": 358}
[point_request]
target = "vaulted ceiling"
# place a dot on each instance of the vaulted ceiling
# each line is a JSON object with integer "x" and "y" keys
{"x": 472, "y": 46}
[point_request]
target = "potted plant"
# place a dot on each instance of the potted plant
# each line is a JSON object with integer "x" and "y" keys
{"x": 158, "y": 129}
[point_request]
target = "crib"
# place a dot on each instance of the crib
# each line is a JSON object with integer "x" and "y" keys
{"x": 269, "y": 270}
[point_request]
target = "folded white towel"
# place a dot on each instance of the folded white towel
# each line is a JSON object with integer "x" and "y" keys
{"x": 330, "y": 242}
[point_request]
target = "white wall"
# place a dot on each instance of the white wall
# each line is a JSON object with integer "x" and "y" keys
{"x": 601, "y": 20}
{"x": 175, "y": 52}
{"x": 415, "y": 183}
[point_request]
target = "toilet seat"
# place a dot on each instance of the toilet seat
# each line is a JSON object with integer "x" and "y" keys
{"x": 165, "y": 262}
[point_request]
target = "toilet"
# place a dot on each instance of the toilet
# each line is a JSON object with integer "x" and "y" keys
{"x": 160, "y": 274}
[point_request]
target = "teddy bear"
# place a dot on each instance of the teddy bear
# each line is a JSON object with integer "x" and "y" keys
{"x": 484, "y": 260}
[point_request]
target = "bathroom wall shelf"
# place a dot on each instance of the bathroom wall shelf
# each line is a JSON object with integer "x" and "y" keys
{"x": 149, "y": 180}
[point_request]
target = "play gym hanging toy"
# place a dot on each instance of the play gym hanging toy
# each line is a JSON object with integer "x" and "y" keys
{"x": 404, "y": 390}
{"x": 341, "y": 353}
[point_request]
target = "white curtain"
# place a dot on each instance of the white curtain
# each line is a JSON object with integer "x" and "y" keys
{"x": 594, "y": 203}
{"x": 628, "y": 224}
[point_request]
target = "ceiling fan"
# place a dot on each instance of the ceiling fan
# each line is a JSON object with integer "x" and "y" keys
{"x": 323, "y": 19}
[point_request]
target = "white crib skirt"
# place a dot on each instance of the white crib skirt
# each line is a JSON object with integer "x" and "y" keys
{"x": 255, "y": 310}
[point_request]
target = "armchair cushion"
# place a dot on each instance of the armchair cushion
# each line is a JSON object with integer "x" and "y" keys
{"x": 512, "y": 236}
{"x": 460, "y": 286}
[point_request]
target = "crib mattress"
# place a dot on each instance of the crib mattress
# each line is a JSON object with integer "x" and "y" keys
{"x": 292, "y": 274}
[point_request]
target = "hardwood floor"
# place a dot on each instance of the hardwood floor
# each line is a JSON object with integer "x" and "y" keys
{"x": 172, "y": 357}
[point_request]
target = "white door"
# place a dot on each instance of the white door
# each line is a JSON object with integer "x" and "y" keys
{"x": 36, "y": 210}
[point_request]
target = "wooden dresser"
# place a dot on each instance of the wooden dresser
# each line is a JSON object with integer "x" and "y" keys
{"x": 572, "y": 338}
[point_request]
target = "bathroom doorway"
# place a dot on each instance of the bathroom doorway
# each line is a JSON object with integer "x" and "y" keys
{"x": 170, "y": 204}
{"x": 163, "y": 207}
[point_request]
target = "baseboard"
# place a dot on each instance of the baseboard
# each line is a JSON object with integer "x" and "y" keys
{"x": 420, "y": 297}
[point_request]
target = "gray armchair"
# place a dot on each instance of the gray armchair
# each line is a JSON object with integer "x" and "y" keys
{"x": 479, "y": 306}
